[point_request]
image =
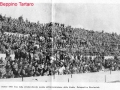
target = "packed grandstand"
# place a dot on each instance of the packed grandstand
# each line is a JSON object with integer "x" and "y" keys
{"x": 35, "y": 49}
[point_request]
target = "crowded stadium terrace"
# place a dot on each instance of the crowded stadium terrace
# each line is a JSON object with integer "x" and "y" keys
{"x": 34, "y": 49}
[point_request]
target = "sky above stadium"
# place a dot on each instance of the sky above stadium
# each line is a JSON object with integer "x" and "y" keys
{"x": 39, "y": 12}
{"x": 92, "y": 16}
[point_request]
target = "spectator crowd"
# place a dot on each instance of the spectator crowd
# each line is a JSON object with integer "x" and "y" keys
{"x": 54, "y": 49}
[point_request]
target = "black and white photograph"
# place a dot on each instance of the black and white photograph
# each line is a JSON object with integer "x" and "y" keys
{"x": 59, "y": 42}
